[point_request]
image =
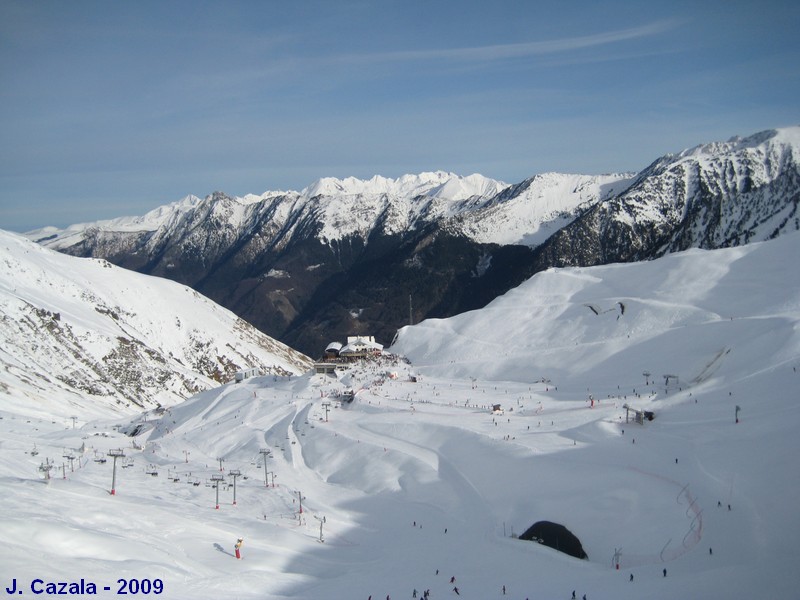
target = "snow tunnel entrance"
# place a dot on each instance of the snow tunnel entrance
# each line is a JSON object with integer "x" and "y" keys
{"x": 555, "y": 536}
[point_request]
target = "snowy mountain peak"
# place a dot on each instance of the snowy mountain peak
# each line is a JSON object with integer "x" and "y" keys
{"x": 439, "y": 184}
{"x": 784, "y": 137}
{"x": 157, "y": 215}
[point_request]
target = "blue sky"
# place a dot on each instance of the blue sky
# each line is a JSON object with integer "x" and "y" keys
{"x": 114, "y": 108}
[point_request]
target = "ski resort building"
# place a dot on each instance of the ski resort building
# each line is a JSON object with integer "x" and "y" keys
{"x": 245, "y": 374}
{"x": 359, "y": 346}
{"x": 333, "y": 349}
{"x": 325, "y": 367}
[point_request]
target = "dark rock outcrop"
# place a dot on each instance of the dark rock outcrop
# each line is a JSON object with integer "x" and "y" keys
{"x": 555, "y": 536}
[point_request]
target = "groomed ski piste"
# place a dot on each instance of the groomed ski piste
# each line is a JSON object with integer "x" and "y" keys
{"x": 417, "y": 480}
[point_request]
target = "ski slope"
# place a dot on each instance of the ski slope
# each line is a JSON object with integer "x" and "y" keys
{"x": 418, "y": 476}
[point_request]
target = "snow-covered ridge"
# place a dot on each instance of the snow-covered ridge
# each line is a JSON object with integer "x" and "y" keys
{"x": 84, "y": 333}
{"x": 788, "y": 136}
{"x": 713, "y": 195}
{"x": 438, "y": 184}
{"x": 343, "y": 207}
{"x": 487, "y": 210}
{"x": 764, "y": 145}
{"x": 153, "y": 220}
{"x": 538, "y": 207}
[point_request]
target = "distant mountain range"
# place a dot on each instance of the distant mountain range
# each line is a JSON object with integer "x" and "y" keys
{"x": 353, "y": 256}
{"x": 85, "y": 337}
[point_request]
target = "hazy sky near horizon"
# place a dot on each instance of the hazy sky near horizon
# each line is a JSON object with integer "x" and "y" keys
{"x": 110, "y": 109}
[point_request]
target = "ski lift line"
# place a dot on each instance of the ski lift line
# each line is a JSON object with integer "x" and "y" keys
{"x": 115, "y": 454}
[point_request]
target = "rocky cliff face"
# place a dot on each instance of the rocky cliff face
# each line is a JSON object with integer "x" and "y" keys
{"x": 352, "y": 256}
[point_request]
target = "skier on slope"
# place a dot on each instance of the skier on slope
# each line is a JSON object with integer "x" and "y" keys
{"x": 237, "y": 547}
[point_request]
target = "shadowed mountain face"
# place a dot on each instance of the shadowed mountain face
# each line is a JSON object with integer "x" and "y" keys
{"x": 367, "y": 257}
{"x": 316, "y": 293}
{"x": 307, "y": 292}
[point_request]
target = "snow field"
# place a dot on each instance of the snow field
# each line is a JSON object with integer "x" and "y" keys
{"x": 406, "y": 461}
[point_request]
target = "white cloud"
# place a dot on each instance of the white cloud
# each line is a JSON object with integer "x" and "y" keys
{"x": 517, "y": 50}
